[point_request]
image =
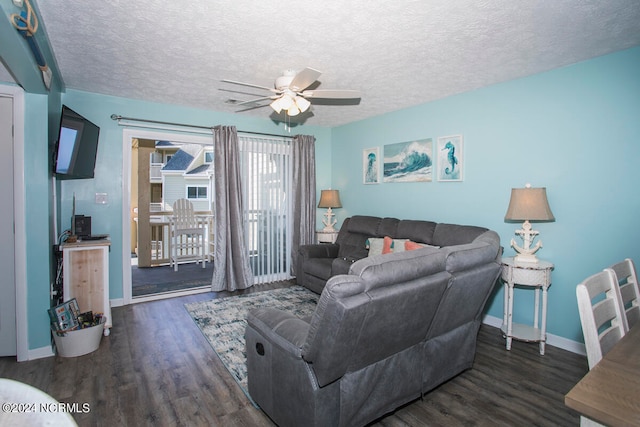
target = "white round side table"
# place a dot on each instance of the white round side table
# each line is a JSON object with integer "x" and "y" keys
{"x": 25, "y": 405}
{"x": 535, "y": 276}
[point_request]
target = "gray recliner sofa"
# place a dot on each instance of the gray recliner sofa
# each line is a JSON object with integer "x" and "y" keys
{"x": 317, "y": 263}
{"x": 393, "y": 328}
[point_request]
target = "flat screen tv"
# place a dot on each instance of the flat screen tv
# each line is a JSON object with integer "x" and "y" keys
{"x": 77, "y": 146}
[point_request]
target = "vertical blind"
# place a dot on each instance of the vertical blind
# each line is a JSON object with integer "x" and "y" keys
{"x": 266, "y": 170}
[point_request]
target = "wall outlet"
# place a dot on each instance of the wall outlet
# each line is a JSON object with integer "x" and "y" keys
{"x": 101, "y": 198}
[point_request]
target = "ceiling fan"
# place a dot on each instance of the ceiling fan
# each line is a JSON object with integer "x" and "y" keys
{"x": 290, "y": 93}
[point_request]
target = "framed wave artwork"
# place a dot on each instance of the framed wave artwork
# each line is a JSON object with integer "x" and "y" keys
{"x": 450, "y": 151}
{"x": 408, "y": 161}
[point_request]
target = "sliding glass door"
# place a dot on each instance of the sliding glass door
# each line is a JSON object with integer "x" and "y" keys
{"x": 266, "y": 180}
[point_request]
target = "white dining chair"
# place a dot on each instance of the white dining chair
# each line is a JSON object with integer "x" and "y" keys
{"x": 627, "y": 280}
{"x": 602, "y": 318}
{"x": 603, "y": 321}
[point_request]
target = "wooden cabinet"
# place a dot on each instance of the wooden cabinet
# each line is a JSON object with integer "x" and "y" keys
{"x": 85, "y": 270}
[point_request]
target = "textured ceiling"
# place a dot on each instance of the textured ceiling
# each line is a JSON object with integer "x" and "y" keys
{"x": 397, "y": 54}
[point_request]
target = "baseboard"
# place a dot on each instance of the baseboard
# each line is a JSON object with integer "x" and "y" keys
{"x": 118, "y": 302}
{"x": 554, "y": 340}
{"x": 566, "y": 344}
{"x": 41, "y": 353}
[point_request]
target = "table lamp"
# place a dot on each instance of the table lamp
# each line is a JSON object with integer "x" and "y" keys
{"x": 329, "y": 199}
{"x": 528, "y": 204}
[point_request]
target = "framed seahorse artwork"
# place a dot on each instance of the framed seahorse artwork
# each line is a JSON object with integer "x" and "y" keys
{"x": 450, "y": 155}
{"x": 371, "y": 166}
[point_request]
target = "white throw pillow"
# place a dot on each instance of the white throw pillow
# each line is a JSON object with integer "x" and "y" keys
{"x": 398, "y": 245}
{"x": 375, "y": 245}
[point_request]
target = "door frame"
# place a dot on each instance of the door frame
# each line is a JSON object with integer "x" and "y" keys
{"x": 204, "y": 137}
{"x": 20, "y": 230}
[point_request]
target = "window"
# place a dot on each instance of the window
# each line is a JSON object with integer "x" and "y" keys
{"x": 208, "y": 157}
{"x": 266, "y": 179}
{"x": 196, "y": 192}
{"x": 156, "y": 157}
{"x": 156, "y": 193}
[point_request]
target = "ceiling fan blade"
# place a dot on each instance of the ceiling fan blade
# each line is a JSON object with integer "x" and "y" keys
{"x": 256, "y": 100}
{"x": 249, "y": 85}
{"x": 304, "y": 79}
{"x": 251, "y": 107}
{"x": 244, "y": 92}
{"x": 333, "y": 94}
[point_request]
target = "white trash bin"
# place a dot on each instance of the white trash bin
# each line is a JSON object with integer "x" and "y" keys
{"x": 79, "y": 342}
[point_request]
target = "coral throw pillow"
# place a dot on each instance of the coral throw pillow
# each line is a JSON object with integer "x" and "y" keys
{"x": 409, "y": 245}
{"x": 387, "y": 245}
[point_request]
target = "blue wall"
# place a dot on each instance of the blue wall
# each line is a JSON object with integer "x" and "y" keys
{"x": 574, "y": 130}
{"x": 108, "y": 179}
{"x": 108, "y": 175}
{"x": 41, "y": 115}
{"x": 37, "y": 208}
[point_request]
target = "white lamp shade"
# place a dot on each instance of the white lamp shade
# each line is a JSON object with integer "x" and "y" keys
{"x": 276, "y": 105}
{"x": 330, "y": 199}
{"x": 293, "y": 106}
{"x": 293, "y": 110}
{"x": 302, "y": 104}
{"x": 529, "y": 204}
{"x": 286, "y": 102}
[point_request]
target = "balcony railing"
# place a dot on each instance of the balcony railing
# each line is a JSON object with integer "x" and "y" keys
{"x": 155, "y": 174}
{"x": 266, "y": 241}
{"x": 160, "y": 238}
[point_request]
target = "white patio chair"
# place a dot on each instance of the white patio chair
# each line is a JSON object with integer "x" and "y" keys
{"x": 187, "y": 235}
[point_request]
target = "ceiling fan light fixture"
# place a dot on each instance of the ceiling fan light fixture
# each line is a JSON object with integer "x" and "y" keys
{"x": 293, "y": 110}
{"x": 286, "y": 102}
{"x": 302, "y": 104}
{"x": 276, "y": 105}
{"x": 290, "y": 94}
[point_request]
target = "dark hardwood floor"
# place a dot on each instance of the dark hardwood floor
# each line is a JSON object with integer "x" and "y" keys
{"x": 163, "y": 278}
{"x": 157, "y": 369}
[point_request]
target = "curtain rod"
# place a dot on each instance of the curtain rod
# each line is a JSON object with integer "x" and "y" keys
{"x": 133, "y": 119}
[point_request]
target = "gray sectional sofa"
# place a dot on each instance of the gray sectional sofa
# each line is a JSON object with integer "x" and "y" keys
{"x": 389, "y": 330}
{"x": 317, "y": 263}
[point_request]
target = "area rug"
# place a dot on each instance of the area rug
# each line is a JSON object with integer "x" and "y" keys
{"x": 223, "y": 321}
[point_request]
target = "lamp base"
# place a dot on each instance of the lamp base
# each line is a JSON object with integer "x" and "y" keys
{"x": 329, "y": 222}
{"x": 526, "y": 253}
{"x": 329, "y": 229}
{"x": 526, "y": 258}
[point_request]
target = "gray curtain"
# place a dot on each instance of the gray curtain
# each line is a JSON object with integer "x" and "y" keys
{"x": 303, "y": 152}
{"x": 231, "y": 268}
